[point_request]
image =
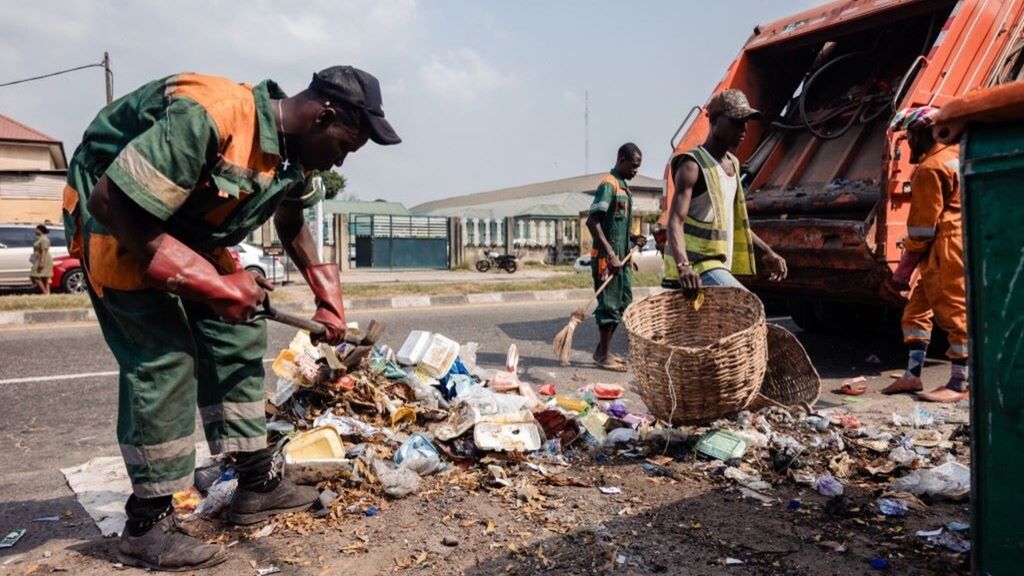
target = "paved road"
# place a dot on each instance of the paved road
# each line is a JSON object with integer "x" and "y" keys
{"x": 58, "y": 392}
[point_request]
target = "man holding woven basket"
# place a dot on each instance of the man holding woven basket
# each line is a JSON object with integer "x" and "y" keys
{"x": 709, "y": 235}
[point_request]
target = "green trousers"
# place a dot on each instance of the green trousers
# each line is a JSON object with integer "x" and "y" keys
{"x": 617, "y": 296}
{"x": 175, "y": 356}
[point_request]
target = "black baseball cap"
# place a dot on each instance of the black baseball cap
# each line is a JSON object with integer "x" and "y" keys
{"x": 360, "y": 90}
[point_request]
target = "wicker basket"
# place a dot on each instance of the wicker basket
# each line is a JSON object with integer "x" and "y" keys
{"x": 791, "y": 377}
{"x": 711, "y": 361}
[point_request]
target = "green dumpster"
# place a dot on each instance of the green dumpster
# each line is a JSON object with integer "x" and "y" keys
{"x": 991, "y": 129}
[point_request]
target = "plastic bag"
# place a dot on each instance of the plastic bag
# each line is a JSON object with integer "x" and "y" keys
{"x": 951, "y": 480}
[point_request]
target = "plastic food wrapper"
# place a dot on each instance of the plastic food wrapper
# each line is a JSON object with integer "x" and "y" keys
{"x": 397, "y": 481}
{"x": 186, "y": 501}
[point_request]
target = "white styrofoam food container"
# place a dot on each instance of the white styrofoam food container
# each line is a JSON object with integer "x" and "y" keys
{"x": 439, "y": 356}
{"x": 415, "y": 345}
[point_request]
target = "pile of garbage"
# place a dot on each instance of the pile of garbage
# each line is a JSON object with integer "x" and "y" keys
{"x": 365, "y": 422}
{"x": 362, "y": 420}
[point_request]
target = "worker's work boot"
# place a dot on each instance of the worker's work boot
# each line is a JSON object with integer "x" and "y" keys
{"x": 906, "y": 383}
{"x": 250, "y": 507}
{"x": 166, "y": 546}
{"x": 261, "y": 493}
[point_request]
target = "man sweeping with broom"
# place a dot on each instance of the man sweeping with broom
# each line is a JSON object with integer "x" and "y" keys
{"x": 609, "y": 223}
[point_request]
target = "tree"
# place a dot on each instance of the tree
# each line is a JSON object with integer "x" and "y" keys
{"x": 333, "y": 182}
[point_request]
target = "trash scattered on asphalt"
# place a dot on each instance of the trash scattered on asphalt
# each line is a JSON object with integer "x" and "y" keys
{"x": 47, "y": 519}
{"x": 394, "y": 426}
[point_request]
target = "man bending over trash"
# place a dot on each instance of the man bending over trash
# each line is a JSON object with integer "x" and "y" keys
{"x": 165, "y": 179}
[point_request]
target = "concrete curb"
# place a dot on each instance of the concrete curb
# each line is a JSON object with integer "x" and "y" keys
{"x": 28, "y": 317}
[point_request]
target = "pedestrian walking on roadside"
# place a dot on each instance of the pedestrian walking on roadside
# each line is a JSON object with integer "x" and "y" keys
{"x": 609, "y": 223}
{"x": 167, "y": 178}
{"x": 709, "y": 237}
{"x": 42, "y": 263}
{"x": 934, "y": 247}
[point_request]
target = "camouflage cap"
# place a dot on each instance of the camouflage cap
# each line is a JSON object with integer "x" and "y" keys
{"x": 733, "y": 103}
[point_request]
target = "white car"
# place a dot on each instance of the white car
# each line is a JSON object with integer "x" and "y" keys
{"x": 253, "y": 260}
{"x": 16, "y": 247}
{"x": 648, "y": 260}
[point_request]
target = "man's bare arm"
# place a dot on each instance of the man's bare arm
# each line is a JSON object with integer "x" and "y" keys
{"x": 685, "y": 180}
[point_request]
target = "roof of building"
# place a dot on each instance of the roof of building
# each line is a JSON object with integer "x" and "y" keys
{"x": 375, "y": 208}
{"x": 578, "y": 184}
{"x": 553, "y": 206}
{"x": 11, "y": 129}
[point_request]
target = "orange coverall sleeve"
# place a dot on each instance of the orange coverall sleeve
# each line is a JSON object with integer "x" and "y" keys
{"x": 926, "y": 203}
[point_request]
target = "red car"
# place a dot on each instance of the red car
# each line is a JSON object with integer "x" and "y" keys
{"x": 68, "y": 275}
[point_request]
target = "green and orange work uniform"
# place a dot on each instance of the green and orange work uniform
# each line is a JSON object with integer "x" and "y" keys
{"x": 614, "y": 200}
{"x": 201, "y": 154}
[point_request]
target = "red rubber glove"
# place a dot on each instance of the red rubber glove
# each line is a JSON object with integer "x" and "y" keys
{"x": 325, "y": 282}
{"x": 908, "y": 263}
{"x": 180, "y": 270}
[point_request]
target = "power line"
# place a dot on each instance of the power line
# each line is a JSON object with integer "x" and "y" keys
{"x": 23, "y": 80}
{"x": 108, "y": 76}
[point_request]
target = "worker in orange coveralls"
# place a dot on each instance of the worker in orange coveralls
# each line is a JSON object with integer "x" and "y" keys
{"x": 934, "y": 246}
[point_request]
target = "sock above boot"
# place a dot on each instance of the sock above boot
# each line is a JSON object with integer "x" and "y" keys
{"x": 144, "y": 513}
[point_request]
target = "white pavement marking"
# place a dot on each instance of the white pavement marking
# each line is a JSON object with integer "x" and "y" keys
{"x": 33, "y": 379}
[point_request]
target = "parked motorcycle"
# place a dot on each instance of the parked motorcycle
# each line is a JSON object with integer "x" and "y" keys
{"x": 506, "y": 262}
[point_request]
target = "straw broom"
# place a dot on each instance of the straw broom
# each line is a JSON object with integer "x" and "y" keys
{"x": 563, "y": 340}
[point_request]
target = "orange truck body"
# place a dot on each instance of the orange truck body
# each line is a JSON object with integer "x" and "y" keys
{"x": 836, "y": 206}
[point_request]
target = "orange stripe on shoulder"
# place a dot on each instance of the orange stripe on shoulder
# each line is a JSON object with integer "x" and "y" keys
{"x": 231, "y": 106}
{"x": 609, "y": 179}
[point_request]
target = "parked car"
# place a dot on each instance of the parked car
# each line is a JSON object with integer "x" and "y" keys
{"x": 68, "y": 275}
{"x": 253, "y": 260}
{"x": 16, "y": 248}
{"x": 648, "y": 260}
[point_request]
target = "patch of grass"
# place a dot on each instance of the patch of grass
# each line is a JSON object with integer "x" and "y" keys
{"x": 12, "y": 302}
{"x": 299, "y": 293}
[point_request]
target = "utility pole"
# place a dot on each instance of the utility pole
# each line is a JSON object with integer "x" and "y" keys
{"x": 108, "y": 77}
{"x": 586, "y": 132}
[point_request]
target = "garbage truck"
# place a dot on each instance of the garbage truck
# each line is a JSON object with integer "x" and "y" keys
{"x": 828, "y": 185}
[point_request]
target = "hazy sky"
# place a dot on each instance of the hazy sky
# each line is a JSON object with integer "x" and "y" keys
{"x": 485, "y": 94}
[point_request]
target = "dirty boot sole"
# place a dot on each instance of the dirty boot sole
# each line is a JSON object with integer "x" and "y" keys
{"x": 245, "y": 519}
{"x": 127, "y": 560}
